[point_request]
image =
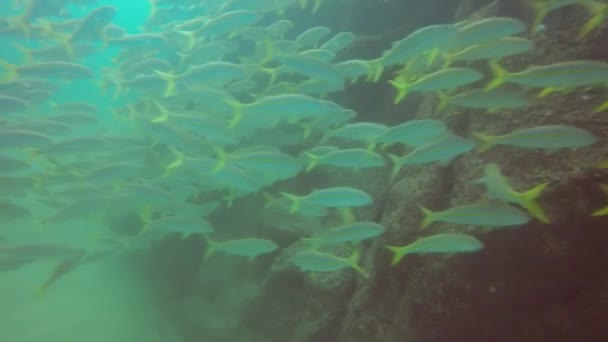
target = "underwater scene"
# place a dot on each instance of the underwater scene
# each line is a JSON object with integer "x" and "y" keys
{"x": 303, "y": 170}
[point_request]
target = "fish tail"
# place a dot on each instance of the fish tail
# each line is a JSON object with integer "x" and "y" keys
{"x": 596, "y": 20}
{"x": 443, "y": 100}
{"x": 146, "y": 217}
{"x": 190, "y": 39}
{"x": 11, "y": 73}
{"x": 397, "y": 254}
{"x": 211, "y": 247}
{"x": 541, "y": 10}
{"x": 348, "y": 216}
{"x": 303, "y": 4}
{"x": 602, "y": 165}
{"x": 487, "y": 141}
{"x": 222, "y": 158}
{"x": 601, "y": 107}
{"x": 269, "y": 199}
{"x": 164, "y": 113}
{"x": 316, "y": 5}
{"x": 529, "y": 202}
{"x": 374, "y": 70}
{"x": 238, "y": 116}
{"x": 268, "y": 51}
{"x": 500, "y": 75}
{"x": 429, "y": 217}
{"x": 396, "y": 161}
{"x": 353, "y": 261}
{"x": 26, "y": 52}
{"x": 314, "y": 161}
{"x": 402, "y": 89}
{"x": 179, "y": 160}
{"x": 600, "y": 212}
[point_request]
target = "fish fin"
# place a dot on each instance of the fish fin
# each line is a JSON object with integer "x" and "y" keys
{"x": 429, "y": 217}
{"x": 303, "y": 3}
{"x": 397, "y": 254}
{"x": 178, "y": 162}
{"x": 529, "y": 202}
{"x": 402, "y": 89}
{"x": 11, "y": 72}
{"x": 500, "y": 75}
{"x": 602, "y": 165}
{"x": 316, "y": 5}
{"x": 190, "y": 39}
{"x": 600, "y": 212}
{"x": 211, "y": 247}
{"x": 487, "y": 141}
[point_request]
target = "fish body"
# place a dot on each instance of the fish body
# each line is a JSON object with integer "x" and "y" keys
{"x": 444, "y": 79}
{"x": 316, "y": 261}
{"x": 414, "y": 133}
{"x": 556, "y": 76}
{"x": 542, "y": 137}
{"x": 92, "y": 26}
{"x": 487, "y": 214}
{"x": 337, "y": 197}
{"x": 250, "y": 247}
{"x": 438, "y": 243}
{"x": 352, "y": 232}
{"x": 494, "y": 99}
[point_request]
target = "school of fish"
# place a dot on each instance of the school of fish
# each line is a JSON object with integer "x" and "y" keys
{"x": 217, "y": 100}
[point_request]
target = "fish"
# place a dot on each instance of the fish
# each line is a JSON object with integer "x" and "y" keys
{"x": 13, "y": 104}
{"x": 336, "y": 197}
{"x": 541, "y": 137}
{"x": 228, "y": 22}
{"x": 441, "y": 150}
{"x": 249, "y": 247}
{"x": 438, "y": 243}
{"x": 444, "y": 79}
{"x": 429, "y": 38}
{"x": 315, "y": 261}
{"x": 352, "y": 232}
{"x": 367, "y": 132}
{"x": 59, "y": 70}
{"x": 414, "y": 133}
{"x": 93, "y": 25}
{"x": 10, "y": 212}
{"x": 183, "y": 225}
{"x": 487, "y": 214}
{"x": 62, "y": 268}
{"x": 354, "y": 158}
{"x": 498, "y": 186}
{"x": 16, "y": 138}
{"x": 339, "y": 42}
{"x": 557, "y": 76}
{"x": 492, "y": 100}
{"x": 312, "y": 36}
{"x": 311, "y": 67}
{"x": 484, "y": 31}
{"x": 497, "y": 49}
